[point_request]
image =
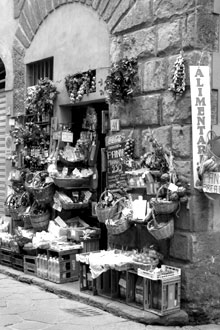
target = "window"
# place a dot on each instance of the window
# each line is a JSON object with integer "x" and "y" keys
{"x": 40, "y": 69}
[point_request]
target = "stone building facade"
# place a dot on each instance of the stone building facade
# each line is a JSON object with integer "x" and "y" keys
{"x": 154, "y": 31}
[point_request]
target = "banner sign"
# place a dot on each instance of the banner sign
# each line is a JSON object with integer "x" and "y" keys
{"x": 201, "y": 113}
{"x": 211, "y": 182}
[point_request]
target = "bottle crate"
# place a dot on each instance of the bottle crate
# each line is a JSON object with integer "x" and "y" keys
{"x": 6, "y": 257}
{"x": 62, "y": 266}
{"x": 162, "y": 290}
{"x": 30, "y": 266}
{"x": 17, "y": 261}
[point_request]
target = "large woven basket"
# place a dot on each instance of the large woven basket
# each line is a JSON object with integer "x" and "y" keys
{"x": 161, "y": 231}
{"x": 17, "y": 204}
{"x": 45, "y": 194}
{"x": 103, "y": 213}
{"x": 40, "y": 222}
{"x": 162, "y": 206}
{"x": 117, "y": 224}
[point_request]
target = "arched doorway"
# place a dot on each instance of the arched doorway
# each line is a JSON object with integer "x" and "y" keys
{"x": 2, "y": 135}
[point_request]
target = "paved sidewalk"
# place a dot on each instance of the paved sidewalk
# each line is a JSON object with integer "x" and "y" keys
{"x": 71, "y": 290}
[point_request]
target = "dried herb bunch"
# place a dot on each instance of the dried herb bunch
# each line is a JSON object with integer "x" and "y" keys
{"x": 122, "y": 79}
{"x": 178, "y": 84}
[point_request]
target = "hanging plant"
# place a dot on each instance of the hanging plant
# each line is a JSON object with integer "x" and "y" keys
{"x": 178, "y": 84}
{"x": 40, "y": 98}
{"x": 80, "y": 84}
{"x": 122, "y": 79}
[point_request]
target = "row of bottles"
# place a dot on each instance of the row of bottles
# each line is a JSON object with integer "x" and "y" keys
{"x": 48, "y": 268}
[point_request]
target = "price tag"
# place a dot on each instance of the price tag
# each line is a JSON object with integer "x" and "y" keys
{"x": 67, "y": 137}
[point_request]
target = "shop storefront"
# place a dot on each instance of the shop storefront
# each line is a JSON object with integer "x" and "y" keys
{"x": 116, "y": 95}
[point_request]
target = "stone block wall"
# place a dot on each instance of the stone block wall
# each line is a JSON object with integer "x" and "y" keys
{"x": 155, "y": 31}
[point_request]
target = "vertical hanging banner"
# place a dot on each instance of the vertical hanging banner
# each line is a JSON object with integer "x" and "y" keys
{"x": 201, "y": 113}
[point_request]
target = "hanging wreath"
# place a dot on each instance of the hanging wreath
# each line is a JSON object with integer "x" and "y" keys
{"x": 178, "y": 84}
{"x": 122, "y": 78}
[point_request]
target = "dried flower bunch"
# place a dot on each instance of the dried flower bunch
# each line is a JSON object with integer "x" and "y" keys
{"x": 122, "y": 79}
{"x": 178, "y": 84}
{"x": 40, "y": 98}
{"x": 80, "y": 84}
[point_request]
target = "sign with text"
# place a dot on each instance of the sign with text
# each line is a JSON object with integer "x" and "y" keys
{"x": 211, "y": 182}
{"x": 201, "y": 113}
{"x": 116, "y": 176}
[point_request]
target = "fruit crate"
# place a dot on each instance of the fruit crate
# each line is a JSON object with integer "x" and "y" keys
{"x": 17, "y": 261}
{"x": 162, "y": 290}
{"x": 107, "y": 284}
{"x": 30, "y": 265}
{"x": 67, "y": 268}
{"x": 134, "y": 289}
{"x": 6, "y": 257}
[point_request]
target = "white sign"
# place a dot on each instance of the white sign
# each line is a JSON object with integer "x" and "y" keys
{"x": 115, "y": 125}
{"x": 67, "y": 137}
{"x": 201, "y": 113}
{"x": 211, "y": 182}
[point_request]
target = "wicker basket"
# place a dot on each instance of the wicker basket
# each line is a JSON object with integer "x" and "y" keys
{"x": 45, "y": 194}
{"x": 72, "y": 183}
{"x": 40, "y": 194}
{"x": 117, "y": 223}
{"x": 39, "y": 222}
{"x": 161, "y": 206}
{"x": 17, "y": 204}
{"x": 161, "y": 232}
{"x": 103, "y": 213}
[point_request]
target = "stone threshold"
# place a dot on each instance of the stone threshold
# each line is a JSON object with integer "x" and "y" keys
{"x": 71, "y": 291}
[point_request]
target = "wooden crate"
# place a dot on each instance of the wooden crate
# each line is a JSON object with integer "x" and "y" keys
{"x": 90, "y": 245}
{"x": 162, "y": 290}
{"x": 86, "y": 281}
{"x": 6, "y": 257}
{"x": 68, "y": 267}
{"x": 107, "y": 283}
{"x": 18, "y": 261}
{"x": 30, "y": 266}
{"x": 134, "y": 289}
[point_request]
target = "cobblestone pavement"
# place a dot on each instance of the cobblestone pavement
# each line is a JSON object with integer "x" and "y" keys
{"x": 28, "y": 307}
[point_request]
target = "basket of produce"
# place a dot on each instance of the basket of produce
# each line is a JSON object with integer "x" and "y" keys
{"x": 40, "y": 217}
{"x": 164, "y": 205}
{"x": 121, "y": 221}
{"x": 41, "y": 186}
{"x": 77, "y": 202}
{"x": 17, "y": 204}
{"x": 107, "y": 203}
{"x": 77, "y": 179}
{"x": 161, "y": 230}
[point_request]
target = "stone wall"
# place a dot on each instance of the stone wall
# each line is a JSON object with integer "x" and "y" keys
{"x": 155, "y": 31}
